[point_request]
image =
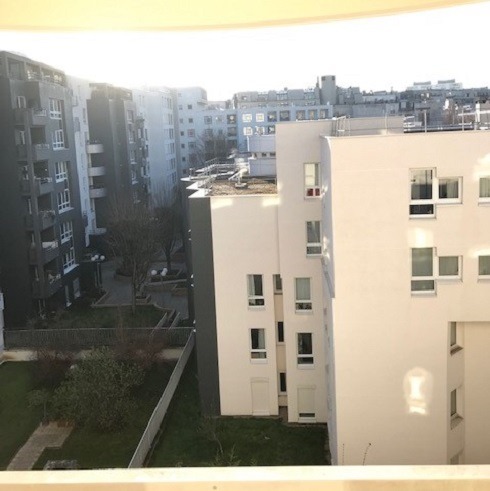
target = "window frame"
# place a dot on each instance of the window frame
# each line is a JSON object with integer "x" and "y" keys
{"x": 421, "y": 278}
{"x": 483, "y": 199}
{"x": 65, "y": 204}
{"x": 485, "y": 276}
{"x": 66, "y": 231}
{"x": 283, "y": 384}
{"x": 449, "y": 277}
{"x": 304, "y": 360}
{"x": 261, "y": 352}
{"x": 252, "y": 296}
{"x": 58, "y": 139}
{"x": 302, "y": 306}
{"x": 312, "y": 190}
{"x": 68, "y": 260}
{"x": 61, "y": 171}
{"x": 55, "y": 109}
{"x": 315, "y": 246}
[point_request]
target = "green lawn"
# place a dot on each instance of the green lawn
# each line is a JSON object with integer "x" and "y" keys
{"x": 94, "y": 450}
{"x": 17, "y": 419}
{"x": 86, "y": 317}
{"x": 254, "y": 441}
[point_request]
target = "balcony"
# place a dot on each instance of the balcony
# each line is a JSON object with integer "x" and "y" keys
{"x": 42, "y": 185}
{"x": 96, "y": 171}
{"x": 44, "y": 219}
{"x": 35, "y": 117}
{"x": 46, "y": 286}
{"x": 95, "y": 147}
{"x": 49, "y": 251}
{"x": 41, "y": 151}
{"x": 97, "y": 192}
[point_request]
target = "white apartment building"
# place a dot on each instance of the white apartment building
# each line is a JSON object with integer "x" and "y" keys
{"x": 382, "y": 243}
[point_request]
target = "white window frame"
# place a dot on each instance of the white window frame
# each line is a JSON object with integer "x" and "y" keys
{"x": 248, "y": 131}
{"x": 55, "y": 109}
{"x": 58, "y": 139}
{"x": 61, "y": 171}
{"x": 481, "y": 276}
{"x": 247, "y": 118}
{"x": 255, "y": 301}
{"x": 449, "y": 277}
{"x": 260, "y": 117}
{"x": 314, "y": 248}
{"x": 64, "y": 202}
{"x": 312, "y": 190}
{"x": 66, "y": 231}
{"x": 436, "y": 199}
{"x": 424, "y": 278}
{"x": 69, "y": 260}
{"x": 304, "y": 360}
{"x": 21, "y": 102}
{"x": 302, "y": 305}
{"x": 258, "y": 354}
{"x": 483, "y": 199}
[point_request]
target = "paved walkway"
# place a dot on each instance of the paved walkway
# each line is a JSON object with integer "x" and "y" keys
{"x": 46, "y": 436}
{"x": 120, "y": 291}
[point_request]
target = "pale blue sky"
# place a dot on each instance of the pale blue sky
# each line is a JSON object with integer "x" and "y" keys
{"x": 375, "y": 54}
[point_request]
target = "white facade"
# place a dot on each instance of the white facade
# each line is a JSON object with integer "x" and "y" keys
{"x": 401, "y": 389}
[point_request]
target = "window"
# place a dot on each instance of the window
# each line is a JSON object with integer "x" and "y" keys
{"x": 484, "y": 266}
{"x": 64, "y": 201}
{"x": 300, "y": 115}
{"x": 422, "y": 269}
{"x": 271, "y": 130}
{"x": 208, "y": 120}
{"x": 58, "y": 139}
{"x": 181, "y": 133}
{"x": 455, "y": 341}
{"x": 21, "y": 102}
{"x": 255, "y": 292}
{"x": 260, "y": 117}
{"x": 454, "y": 403}
{"x": 191, "y": 133}
{"x": 66, "y": 231}
{"x": 208, "y": 133}
{"x": 312, "y": 114}
{"x": 427, "y": 190}
{"x": 68, "y": 260}
{"x": 247, "y": 118}
{"x": 189, "y": 106}
{"x": 284, "y": 116}
{"x": 282, "y": 383}
{"x": 55, "y": 108}
{"x": 484, "y": 189}
{"x": 192, "y": 145}
{"x": 231, "y": 118}
{"x": 312, "y": 179}
{"x": 257, "y": 343}
{"x": 272, "y": 117}
{"x": 277, "y": 283}
{"x": 303, "y": 294}
{"x": 61, "y": 171}
{"x": 280, "y": 332}
{"x": 130, "y": 115}
{"x": 191, "y": 120}
{"x": 305, "y": 348}
{"x": 313, "y": 241}
{"x": 247, "y": 131}
{"x": 456, "y": 407}
{"x": 449, "y": 267}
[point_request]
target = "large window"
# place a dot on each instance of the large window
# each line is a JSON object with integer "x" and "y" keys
{"x": 68, "y": 260}
{"x": 423, "y": 270}
{"x": 484, "y": 266}
{"x": 426, "y": 191}
{"x": 255, "y": 292}
{"x": 55, "y": 108}
{"x": 66, "y": 231}
{"x": 64, "y": 201}
{"x": 257, "y": 344}
{"x": 305, "y": 348}
{"x": 58, "y": 139}
{"x": 312, "y": 179}
{"x": 450, "y": 267}
{"x": 313, "y": 241}
{"x": 485, "y": 189}
{"x": 303, "y": 295}
{"x": 61, "y": 171}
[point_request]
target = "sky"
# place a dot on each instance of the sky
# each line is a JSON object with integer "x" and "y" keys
{"x": 373, "y": 54}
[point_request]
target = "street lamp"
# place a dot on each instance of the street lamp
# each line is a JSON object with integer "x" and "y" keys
{"x": 98, "y": 259}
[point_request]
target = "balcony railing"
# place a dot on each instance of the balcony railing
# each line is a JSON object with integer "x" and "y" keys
{"x": 35, "y": 116}
{"x": 97, "y": 192}
{"x": 311, "y": 478}
{"x": 44, "y": 219}
{"x": 42, "y": 185}
{"x": 46, "y": 286}
{"x": 97, "y": 171}
{"x": 41, "y": 151}
{"x": 95, "y": 147}
{"x": 49, "y": 251}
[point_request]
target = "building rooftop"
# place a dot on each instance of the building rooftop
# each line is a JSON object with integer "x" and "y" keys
{"x": 251, "y": 186}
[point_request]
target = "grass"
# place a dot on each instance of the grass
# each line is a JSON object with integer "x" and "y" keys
{"x": 253, "y": 441}
{"x": 96, "y": 450}
{"x": 85, "y": 317}
{"x": 17, "y": 419}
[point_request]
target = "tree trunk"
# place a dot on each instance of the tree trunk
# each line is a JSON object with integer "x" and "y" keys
{"x": 133, "y": 297}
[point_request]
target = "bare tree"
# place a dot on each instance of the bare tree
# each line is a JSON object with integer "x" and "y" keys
{"x": 211, "y": 145}
{"x": 168, "y": 225}
{"x": 131, "y": 235}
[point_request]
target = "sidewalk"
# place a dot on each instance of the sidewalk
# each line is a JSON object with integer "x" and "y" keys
{"x": 45, "y": 436}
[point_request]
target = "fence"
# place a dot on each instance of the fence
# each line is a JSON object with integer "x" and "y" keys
{"x": 77, "y": 339}
{"x": 155, "y": 421}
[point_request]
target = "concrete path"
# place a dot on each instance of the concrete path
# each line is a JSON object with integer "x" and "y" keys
{"x": 46, "y": 436}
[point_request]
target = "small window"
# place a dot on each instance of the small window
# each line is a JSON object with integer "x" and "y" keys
{"x": 449, "y": 190}
{"x": 305, "y": 348}
{"x": 485, "y": 189}
{"x": 421, "y": 193}
{"x": 313, "y": 242}
{"x": 208, "y": 120}
{"x": 247, "y": 131}
{"x": 423, "y": 269}
{"x": 69, "y": 260}
{"x": 21, "y": 102}
{"x": 303, "y": 295}
{"x": 277, "y": 283}
{"x": 280, "y": 332}
{"x": 191, "y": 133}
{"x": 58, "y": 139}
{"x": 61, "y": 171}
{"x": 484, "y": 266}
{"x": 257, "y": 343}
{"x": 66, "y": 231}
{"x": 282, "y": 383}
{"x": 64, "y": 201}
{"x": 255, "y": 292}
{"x": 247, "y": 118}
{"x": 454, "y": 403}
{"x": 260, "y": 117}
{"x": 449, "y": 267}
{"x": 189, "y": 106}
{"x": 455, "y": 341}
{"x": 312, "y": 179}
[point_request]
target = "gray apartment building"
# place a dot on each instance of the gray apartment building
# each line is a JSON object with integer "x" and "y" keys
{"x": 41, "y": 224}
